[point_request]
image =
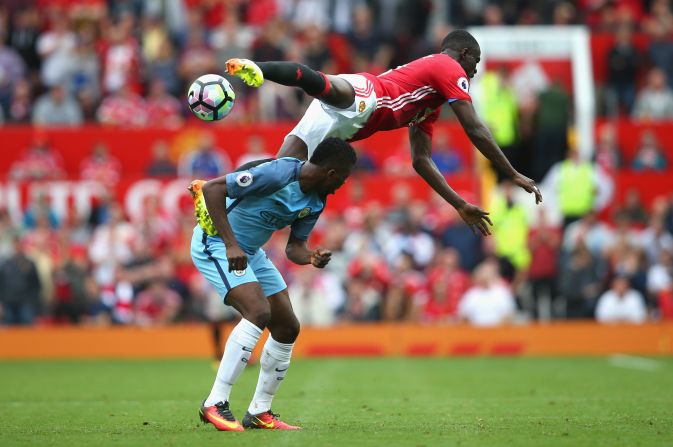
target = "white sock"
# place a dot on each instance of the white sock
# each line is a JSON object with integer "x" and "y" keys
{"x": 274, "y": 364}
{"x": 237, "y": 351}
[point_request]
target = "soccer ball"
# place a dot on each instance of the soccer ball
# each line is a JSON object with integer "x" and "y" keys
{"x": 211, "y": 97}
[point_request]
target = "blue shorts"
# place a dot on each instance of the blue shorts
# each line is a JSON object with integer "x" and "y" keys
{"x": 210, "y": 257}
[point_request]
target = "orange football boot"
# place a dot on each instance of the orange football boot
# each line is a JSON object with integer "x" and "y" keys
{"x": 220, "y": 416}
{"x": 266, "y": 421}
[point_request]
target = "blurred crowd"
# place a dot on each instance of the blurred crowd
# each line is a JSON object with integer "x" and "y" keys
{"x": 127, "y": 62}
{"x": 584, "y": 257}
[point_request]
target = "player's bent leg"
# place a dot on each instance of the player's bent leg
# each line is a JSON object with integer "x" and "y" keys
{"x": 283, "y": 325}
{"x": 284, "y": 328}
{"x": 331, "y": 90}
{"x": 340, "y": 95}
{"x": 293, "y": 146}
{"x": 250, "y": 301}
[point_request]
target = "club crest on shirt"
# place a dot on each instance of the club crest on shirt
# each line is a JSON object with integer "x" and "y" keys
{"x": 361, "y": 107}
{"x": 463, "y": 84}
{"x": 244, "y": 179}
{"x": 303, "y": 213}
{"x": 239, "y": 272}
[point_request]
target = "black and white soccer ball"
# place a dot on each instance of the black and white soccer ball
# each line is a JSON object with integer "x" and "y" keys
{"x": 211, "y": 97}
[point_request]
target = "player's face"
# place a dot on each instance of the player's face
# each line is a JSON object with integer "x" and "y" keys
{"x": 469, "y": 62}
{"x": 334, "y": 179}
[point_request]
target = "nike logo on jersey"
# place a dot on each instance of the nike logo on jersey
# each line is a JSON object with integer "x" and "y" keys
{"x": 281, "y": 370}
{"x": 246, "y": 349}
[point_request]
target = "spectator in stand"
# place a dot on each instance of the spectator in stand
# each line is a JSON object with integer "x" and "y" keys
{"x": 371, "y": 236}
{"x": 655, "y": 101}
{"x": 580, "y": 282}
{"x": 447, "y": 283}
{"x": 589, "y": 231}
{"x": 411, "y": 239}
{"x": 19, "y": 288}
{"x": 318, "y": 54}
{"x": 468, "y": 244}
{"x": 55, "y": 48}
{"x": 649, "y": 156}
{"x": 578, "y": 186}
{"x": 623, "y": 63}
{"x": 120, "y": 57}
{"x": 660, "y": 50}
{"x": 23, "y": 35}
{"x": 204, "y": 162}
{"x": 158, "y": 304}
{"x": 510, "y": 227}
{"x": 501, "y": 113}
{"x": 608, "y": 153}
{"x": 445, "y": 155}
{"x": 633, "y": 210}
{"x": 655, "y": 239}
{"x": 85, "y": 70}
{"x": 197, "y": 57}
{"x": 164, "y": 68}
{"x": 544, "y": 241}
{"x": 408, "y": 287}
{"x": 161, "y": 165}
{"x": 550, "y": 131}
{"x": 364, "y": 38}
{"x": 489, "y": 302}
{"x": 109, "y": 249}
{"x": 316, "y": 296}
{"x": 39, "y": 162}
{"x": 254, "y": 150}
{"x": 163, "y": 110}
{"x": 101, "y": 166}
{"x": 123, "y": 108}
{"x": 621, "y": 304}
{"x": 39, "y": 209}
{"x": 8, "y": 234}
{"x": 57, "y": 108}
{"x": 21, "y": 103}
{"x": 74, "y": 291}
{"x": 231, "y": 39}
{"x": 368, "y": 280}
{"x": 12, "y": 70}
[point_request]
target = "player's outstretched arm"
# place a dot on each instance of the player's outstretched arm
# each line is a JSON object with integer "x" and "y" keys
{"x": 421, "y": 155}
{"x": 298, "y": 252}
{"x": 214, "y": 192}
{"x": 483, "y": 140}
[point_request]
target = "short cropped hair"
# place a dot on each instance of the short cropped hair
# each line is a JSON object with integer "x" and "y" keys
{"x": 334, "y": 152}
{"x": 458, "y": 39}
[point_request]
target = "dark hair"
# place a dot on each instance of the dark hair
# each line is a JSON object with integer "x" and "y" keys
{"x": 458, "y": 39}
{"x": 333, "y": 151}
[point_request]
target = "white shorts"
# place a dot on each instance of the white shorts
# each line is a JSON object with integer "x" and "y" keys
{"x": 323, "y": 121}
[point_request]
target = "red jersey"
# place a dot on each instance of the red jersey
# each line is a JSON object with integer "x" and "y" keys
{"x": 412, "y": 94}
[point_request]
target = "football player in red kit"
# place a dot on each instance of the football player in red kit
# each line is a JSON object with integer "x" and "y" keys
{"x": 354, "y": 106}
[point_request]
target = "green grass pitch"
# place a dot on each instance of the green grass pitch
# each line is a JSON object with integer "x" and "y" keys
{"x": 347, "y": 402}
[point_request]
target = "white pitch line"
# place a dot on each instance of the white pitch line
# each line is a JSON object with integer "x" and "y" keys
{"x": 633, "y": 362}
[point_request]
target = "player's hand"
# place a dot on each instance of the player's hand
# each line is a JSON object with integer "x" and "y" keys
{"x": 528, "y": 185}
{"x": 320, "y": 257}
{"x": 476, "y": 218}
{"x": 237, "y": 258}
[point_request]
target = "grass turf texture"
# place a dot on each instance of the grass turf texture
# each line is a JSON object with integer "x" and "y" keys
{"x": 345, "y": 402}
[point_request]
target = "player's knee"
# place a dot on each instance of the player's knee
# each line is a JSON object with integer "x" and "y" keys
{"x": 259, "y": 316}
{"x": 287, "y": 332}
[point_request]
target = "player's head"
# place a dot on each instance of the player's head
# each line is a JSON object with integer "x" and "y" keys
{"x": 334, "y": 160}
{"x": 463, "y": 47}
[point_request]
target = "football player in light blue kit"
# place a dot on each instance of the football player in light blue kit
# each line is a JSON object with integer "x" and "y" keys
{"x": 244, "y": 208}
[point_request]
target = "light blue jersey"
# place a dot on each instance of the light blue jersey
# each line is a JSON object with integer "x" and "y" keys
{"x": 267, "y": 198}
{"x": 260, "y": 201}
